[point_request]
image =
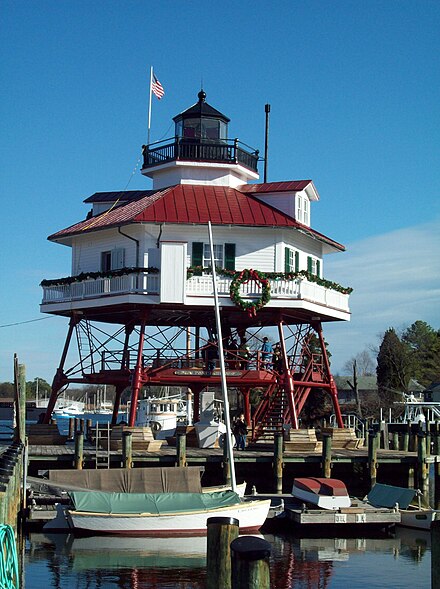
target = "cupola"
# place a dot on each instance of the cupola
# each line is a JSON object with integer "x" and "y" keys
{"x": 200, "y": 152}
{"x": 201, "y": 122}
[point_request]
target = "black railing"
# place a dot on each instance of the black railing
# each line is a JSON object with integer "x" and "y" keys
{"x": 200, "y": 150}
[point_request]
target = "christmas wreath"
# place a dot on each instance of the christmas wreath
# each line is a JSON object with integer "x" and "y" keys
{"x": 243, "y": 278}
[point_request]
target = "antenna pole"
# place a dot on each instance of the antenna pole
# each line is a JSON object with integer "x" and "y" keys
{"x": 266, "y": 140}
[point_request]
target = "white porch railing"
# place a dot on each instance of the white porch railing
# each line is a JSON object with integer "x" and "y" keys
{"x": 196, "y": 286}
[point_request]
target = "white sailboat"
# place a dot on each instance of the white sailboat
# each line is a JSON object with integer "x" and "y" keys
{"x": 166, "y": 514}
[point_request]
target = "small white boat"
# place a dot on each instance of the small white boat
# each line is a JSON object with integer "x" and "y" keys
{"x": 323, "y": 493}
{"x": 412, "y": 516}
{"x": 157, "y": 514}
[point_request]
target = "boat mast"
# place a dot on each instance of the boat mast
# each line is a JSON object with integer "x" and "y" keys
{"x": 222, "y": 365}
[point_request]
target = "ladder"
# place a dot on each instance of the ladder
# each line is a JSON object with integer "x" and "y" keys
{"x": 102, "y": 445}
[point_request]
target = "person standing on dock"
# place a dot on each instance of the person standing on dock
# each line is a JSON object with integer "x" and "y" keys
{"x": 240, "y": 432}
{"x": 266, "y": 353}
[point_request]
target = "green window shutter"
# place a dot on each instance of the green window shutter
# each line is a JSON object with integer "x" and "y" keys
{"x": 197, "y": 253}
{"x": 286, "y": 260}
{"x": 318, "y": 267}
{"x": 309, "y": 264}
{"x": 229, "y": 256}
{"x": 296, "y": 261}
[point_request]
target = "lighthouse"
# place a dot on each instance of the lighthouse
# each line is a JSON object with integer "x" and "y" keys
{"x": 139, "y": 298}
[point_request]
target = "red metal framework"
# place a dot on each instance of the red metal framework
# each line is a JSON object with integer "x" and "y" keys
{"x": 135, "y": 355}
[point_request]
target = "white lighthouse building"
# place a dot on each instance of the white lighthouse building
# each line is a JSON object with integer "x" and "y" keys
{"x": 141, "y": 267}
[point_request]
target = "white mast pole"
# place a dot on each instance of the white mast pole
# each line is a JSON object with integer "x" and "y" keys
{"x": 149, "y": 106}
{"x": 222, "y": 365}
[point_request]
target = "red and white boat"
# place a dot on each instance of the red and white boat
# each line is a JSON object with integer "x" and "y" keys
{"x": 323, "y": 493}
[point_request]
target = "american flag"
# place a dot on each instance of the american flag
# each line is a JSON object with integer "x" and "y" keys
{"x": 157, "y": 88}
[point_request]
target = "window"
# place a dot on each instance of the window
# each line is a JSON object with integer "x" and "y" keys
{"x": 218, "y": 255}
{"x": 224, "y": 255}
{"x": 112, "y": 260}
{"x": 314, "y": 266}
{"x": 299, "y": 209}
{"x": 306, "y": 212}
{"x": 291, "y": 260}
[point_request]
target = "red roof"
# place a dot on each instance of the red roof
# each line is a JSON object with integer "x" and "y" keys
{"x": 192, "y": 204}
{"x": 290, "y": 186}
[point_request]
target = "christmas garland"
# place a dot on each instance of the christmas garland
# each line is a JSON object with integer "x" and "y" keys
{"x": 94, "y": 275}
{"x": 243, "y": 278}
{"x": 200, "y": 270}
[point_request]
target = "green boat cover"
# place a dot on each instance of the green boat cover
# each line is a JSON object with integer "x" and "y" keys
{"x": 388, "y": 495}
{"x": 154, "y": 503}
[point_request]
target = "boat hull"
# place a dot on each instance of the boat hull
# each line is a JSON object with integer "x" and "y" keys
{"x": 419, "y": 519}
{"x": 251, "y": 516}
{"x": 323, "y": 493}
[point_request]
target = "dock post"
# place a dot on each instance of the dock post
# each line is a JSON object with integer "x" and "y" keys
{"x": 395, "y": 440}
{"x": 76, "y": 423}
{"x": 435, "y": 554}
{"x": 250, "y": 563}
{"x": 372, "y": 456}
{"x": 422, "y": 469}
{"x": 82, "y": 426}
{"x": 406, "y": 438}
{"x": 436, "y": 438}
{"x": 428, "y": 438}
{"x": 181, "y": 449}
{"x": 327, "y": 456}
{"x": 278, "y": 462}
{"x": 71, "y": 428}
{"x": 79, "y": 450}
{"x": 89, "y": 428}
{"x": 221, "y": 532}
{"x": 127, "y": 449}
{"x": 226, "y": 465}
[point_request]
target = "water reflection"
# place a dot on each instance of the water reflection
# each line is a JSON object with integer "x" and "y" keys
{"x": 58, "y": 561}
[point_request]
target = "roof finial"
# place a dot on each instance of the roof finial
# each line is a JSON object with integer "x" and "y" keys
{"x": 202, "y": 95}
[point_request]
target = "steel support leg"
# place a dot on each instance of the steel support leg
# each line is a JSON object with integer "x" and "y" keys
{"x": 288, "y": 379}
{"x": 137, "y": 374}
{"x": 333, "y": 389}
{"x": 60, "y": 379}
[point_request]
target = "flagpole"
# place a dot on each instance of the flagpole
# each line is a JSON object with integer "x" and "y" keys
{"x": 149, "y": 106}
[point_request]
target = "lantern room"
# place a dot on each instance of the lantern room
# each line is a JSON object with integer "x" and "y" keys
{"x": 200, "y": 152}
{"x": 201, "y": 122}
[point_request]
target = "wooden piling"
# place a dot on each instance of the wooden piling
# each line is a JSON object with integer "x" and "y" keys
{"x": 395, "y": 440}
{"x": 436, "y": 438}
{"x": 89, "y": 429}
{"x": 127, "y": 452}
{"x": 437, "y": 483}
{"x": 422, "y": 469}
{"x": 181, "y": 449}
{"x": 250, "y": 563}
{"x": 278, "y": 463}
{"x": 435, "y": 554}
{"x": 226, "y": 464}
{"x": 326, "y": 456}
{"x": 405, "y": 443}
{"x": 71, "y": 428}
{"x": 372, "y": 457}
{"x": 79, "y": 450}
{"x": 428, "y": 438}
{"x": 221, "y": 532}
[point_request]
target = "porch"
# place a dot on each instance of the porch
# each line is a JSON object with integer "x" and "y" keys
{"x": 197, "y": 291}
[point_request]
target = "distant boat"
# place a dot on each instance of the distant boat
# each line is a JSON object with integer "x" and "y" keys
{"x": 156, "y": 514}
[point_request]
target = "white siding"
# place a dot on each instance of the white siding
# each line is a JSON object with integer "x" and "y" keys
{"x": 259, "y": 248}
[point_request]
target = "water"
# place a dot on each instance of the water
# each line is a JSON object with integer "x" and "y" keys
{"x": 62, "y": 561}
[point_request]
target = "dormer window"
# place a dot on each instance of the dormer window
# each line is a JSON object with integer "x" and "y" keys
{"x": 302, "y": 209}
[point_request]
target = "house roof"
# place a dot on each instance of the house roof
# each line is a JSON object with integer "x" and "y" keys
{"x": 187, "y": 204}
{"x": 289, "y": 186}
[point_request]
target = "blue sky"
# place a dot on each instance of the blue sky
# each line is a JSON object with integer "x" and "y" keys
{"x": 354, "y": 89}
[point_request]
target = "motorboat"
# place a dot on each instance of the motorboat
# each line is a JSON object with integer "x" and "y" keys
{"x": 321, "y": 492}
{"x": 155, "y": 514}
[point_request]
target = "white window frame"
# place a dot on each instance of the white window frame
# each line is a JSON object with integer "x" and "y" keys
{"x": 291, "y": 262}
{"x": 219, "y": 255}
